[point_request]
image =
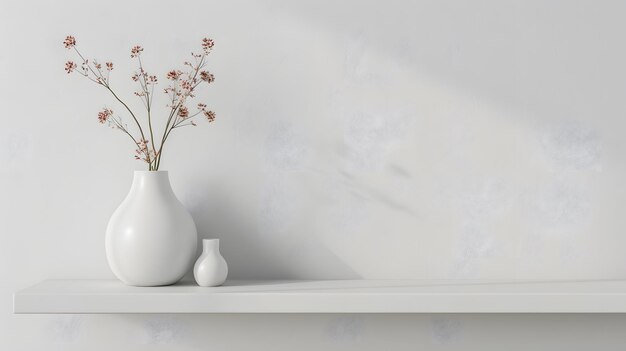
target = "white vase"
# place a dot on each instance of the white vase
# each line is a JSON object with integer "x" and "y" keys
{"x": 151, "y": 239}
{"x": 210, "y": 268}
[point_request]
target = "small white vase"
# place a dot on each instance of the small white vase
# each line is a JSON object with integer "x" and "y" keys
{"x": 210, "y": 268}
{"x": 151, "y": 239}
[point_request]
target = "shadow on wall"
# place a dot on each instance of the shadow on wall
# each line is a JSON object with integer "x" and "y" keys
{"x": 251, "y": 255}
{"x": 510, "y": 53}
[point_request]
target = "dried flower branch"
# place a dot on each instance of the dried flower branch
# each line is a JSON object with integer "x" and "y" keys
{"x": 104, "y": 115}
{"x": 182, "y": 87}
{"x": 136, "y": 51}
{"x": 70, "y": 66}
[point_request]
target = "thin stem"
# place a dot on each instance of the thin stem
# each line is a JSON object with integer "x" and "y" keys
{"x": 128, "y": 109}
{"x": 88, "y": 65}
{"x": 120, "y": 127}
{"x": 132, "y": 114}
{"x": 101, "y": 80}
{"x": 167, "y": 131}
{"x": 148, "y": 105}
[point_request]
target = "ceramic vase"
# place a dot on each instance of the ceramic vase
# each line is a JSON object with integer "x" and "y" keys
{"x": 210, "y": 268}
{"x": 151, "y": 238}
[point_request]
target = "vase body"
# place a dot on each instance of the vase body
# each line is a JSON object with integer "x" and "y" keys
{"x": 210, "y": 268}
{"x": 151, "y": 238}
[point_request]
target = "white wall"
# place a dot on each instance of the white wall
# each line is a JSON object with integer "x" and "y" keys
{"x": 425, "y": 139}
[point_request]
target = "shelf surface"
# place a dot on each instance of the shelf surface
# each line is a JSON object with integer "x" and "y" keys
{"x": 326, "y": 296}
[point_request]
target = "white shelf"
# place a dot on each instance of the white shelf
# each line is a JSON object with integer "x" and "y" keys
{"x": 327, "y": 296}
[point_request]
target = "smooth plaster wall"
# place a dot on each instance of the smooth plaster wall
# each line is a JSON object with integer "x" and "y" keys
{"x": 354, "y": 139}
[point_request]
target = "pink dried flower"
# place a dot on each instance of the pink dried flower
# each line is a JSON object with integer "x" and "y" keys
{"x": 109, "y": 66}
{"x": 201, "y": 106}
{"x": 186, "y": 85}
{"x": 173, "y": 74}
{"x": 97, "y": 65}
{"x": 183, "y": 112}
{"x": 69, "y": 42}
{"x": 135, "y": 77}
{"x": 143, "y": 143}
{"x": 152, "y": 80}
{"x": 210, "y": 115}
{"x": 70, "y": 66}
{"x": 104, "y": 115}
{"x": 143, "y": 152}
{"x": 207, "y": 44}
{"x": 136, "y": 51}
{"x": 207, "y": 77}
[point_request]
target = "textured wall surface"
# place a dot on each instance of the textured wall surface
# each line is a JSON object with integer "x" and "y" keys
{"x": 354, "y": 139}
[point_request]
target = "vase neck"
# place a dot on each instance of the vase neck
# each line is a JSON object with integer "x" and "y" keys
{"x": 209, "y": 245}
{"x": 152, "y": 181}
